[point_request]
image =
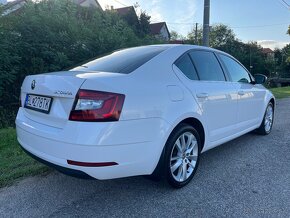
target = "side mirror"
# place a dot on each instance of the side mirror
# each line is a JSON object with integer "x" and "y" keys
{"x": 260, "y": 78}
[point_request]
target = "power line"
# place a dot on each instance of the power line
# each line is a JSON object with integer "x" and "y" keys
{"x": 259, "y": 26}
{"x": 286, "y": 3}
{"x": 236, "y": 27}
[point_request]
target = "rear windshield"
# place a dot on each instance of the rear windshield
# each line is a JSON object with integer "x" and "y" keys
{"x": 122, "y": 61}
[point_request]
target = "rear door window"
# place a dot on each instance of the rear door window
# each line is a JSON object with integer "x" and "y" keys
{"x": 207, "y": 66}
{"x": 185, "y": 65}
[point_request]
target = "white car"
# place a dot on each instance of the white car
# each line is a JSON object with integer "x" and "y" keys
{"x": 149, "y": 110}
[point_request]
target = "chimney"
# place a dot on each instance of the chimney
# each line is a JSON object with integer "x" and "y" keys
{"x": 112, "y": 7}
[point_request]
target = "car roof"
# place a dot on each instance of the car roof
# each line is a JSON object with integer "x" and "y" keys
{"x": 190, "y": 46}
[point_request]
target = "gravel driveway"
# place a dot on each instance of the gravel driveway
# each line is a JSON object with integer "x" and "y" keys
{"x": 247, "y": 177}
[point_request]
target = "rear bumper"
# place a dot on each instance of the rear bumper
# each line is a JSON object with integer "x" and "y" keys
{"x": 134, "y": 145}
{"x": 67, "y": 171}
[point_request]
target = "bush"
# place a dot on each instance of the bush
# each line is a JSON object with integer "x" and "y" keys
{"x": 53, "y": 35}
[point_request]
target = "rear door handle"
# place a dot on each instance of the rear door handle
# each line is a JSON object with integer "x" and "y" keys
{"x": 241, "y": 93}
{"x": 202, "y": 95}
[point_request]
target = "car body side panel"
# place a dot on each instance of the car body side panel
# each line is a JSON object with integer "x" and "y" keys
{"x": 156, "y": 101}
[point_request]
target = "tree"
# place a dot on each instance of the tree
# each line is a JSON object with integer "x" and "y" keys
{"x": 144, "y": 24}
{"x": 174, "y": 35}
{"x": 53, "y": 35}
{"x": 220, "y": 34}
{"x": 285, "y": 64}
{"x": 288, "y": 32}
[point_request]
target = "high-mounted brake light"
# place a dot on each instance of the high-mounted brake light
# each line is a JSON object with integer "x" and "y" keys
{"x": 95, "y": 106}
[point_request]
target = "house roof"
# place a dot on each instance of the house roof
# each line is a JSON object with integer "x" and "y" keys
{"x": 155, "y": 28}
{"x": 267, "y": 50}
{"x": 13, "y": 6}
{"x": 125, "y": 10}
{"x": 83, "y": 1}
{"x": 10, "y": 4}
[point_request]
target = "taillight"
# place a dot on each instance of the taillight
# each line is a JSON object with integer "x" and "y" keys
{"x": 95, "y": 106}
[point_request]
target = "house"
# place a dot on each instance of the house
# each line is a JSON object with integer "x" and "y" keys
{"x": 160, "y": 31}
{"x": 88, "y": 3}
{"x": 269, "y": 54}
{"x": 13, "y": 6}
{"x": 128, "y": 14}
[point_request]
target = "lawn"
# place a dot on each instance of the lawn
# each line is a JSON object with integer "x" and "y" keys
{"x": 14, "y": 162}
{"x": 282, "y": 92}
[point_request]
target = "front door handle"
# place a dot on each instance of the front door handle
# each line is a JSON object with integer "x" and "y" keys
{"x": 202, "y": 95}
{"x": 241, "y": 93}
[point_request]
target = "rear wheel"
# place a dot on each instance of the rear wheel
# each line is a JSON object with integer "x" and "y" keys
{"x": 266, "y": 126}
{"x": 181, "y": 156}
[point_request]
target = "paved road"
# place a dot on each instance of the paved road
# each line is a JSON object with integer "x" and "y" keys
{"x": 248, "y": 177}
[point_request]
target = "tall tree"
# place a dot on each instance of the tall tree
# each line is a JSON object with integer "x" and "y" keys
{"x": 174, "y": 35}
{"x": 220, "y": 34}
{"x": 144, "y": 23}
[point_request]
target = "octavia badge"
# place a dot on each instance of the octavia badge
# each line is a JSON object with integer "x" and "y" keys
{"x": 33, "y": 84}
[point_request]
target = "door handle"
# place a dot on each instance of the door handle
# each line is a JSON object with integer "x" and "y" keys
{"x": 241, "y": 92}
{"x": 202, "y": 95}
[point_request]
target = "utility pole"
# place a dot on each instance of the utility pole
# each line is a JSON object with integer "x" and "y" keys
{"x": 196, "y": 42}
{"x": 205, "y": 40}
{"x": 251, "y": 66}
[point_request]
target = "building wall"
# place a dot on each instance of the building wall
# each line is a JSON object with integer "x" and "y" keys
{"x": 164, "y": 34}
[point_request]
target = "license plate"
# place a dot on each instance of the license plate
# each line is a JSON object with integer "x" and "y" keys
{"x": 38, "y": 103}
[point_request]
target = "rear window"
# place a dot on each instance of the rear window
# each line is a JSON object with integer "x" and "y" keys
{"x": 122, "y": 61}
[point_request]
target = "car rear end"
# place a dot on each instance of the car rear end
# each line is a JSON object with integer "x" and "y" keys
{"x": 78, "y": 121}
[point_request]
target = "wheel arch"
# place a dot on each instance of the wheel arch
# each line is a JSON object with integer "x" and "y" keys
{"x": 273, "y": 101}
{"x": 197, "y": 124}
{"x": 192, "y": 121}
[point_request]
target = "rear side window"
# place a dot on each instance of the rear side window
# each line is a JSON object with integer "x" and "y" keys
{"x": 207, "y": 66}
{"x": 185, "y": 65}
{"x": 123, "y": 61}
{"x": 236, "y": 71}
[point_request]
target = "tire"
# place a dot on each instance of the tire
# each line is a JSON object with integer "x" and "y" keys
{"x": 181, "y": 154}
{"x": 267, "y": 123}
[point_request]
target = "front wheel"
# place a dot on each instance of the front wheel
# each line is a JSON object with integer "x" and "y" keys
{"x": 267, "y": 123}
{"x": 182, "y": 153}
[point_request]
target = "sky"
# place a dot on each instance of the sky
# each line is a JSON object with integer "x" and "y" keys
{"x": 264, "y": 21}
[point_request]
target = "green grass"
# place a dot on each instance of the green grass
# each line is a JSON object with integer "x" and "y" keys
{"x": 282, "y": 92}
{"x": 14, "y": 162}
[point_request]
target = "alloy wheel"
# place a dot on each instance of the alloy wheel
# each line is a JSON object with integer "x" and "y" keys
{"x": 268, "y": 118}
{"x": 184, "y": 156}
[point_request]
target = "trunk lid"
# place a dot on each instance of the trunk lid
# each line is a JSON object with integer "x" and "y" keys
{"x": 62, "y": 87}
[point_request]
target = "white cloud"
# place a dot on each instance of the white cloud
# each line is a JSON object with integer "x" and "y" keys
{"x": 155, "y": 11}
{"x": 272, "y": 44}
{"x": 173, "y": 12}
